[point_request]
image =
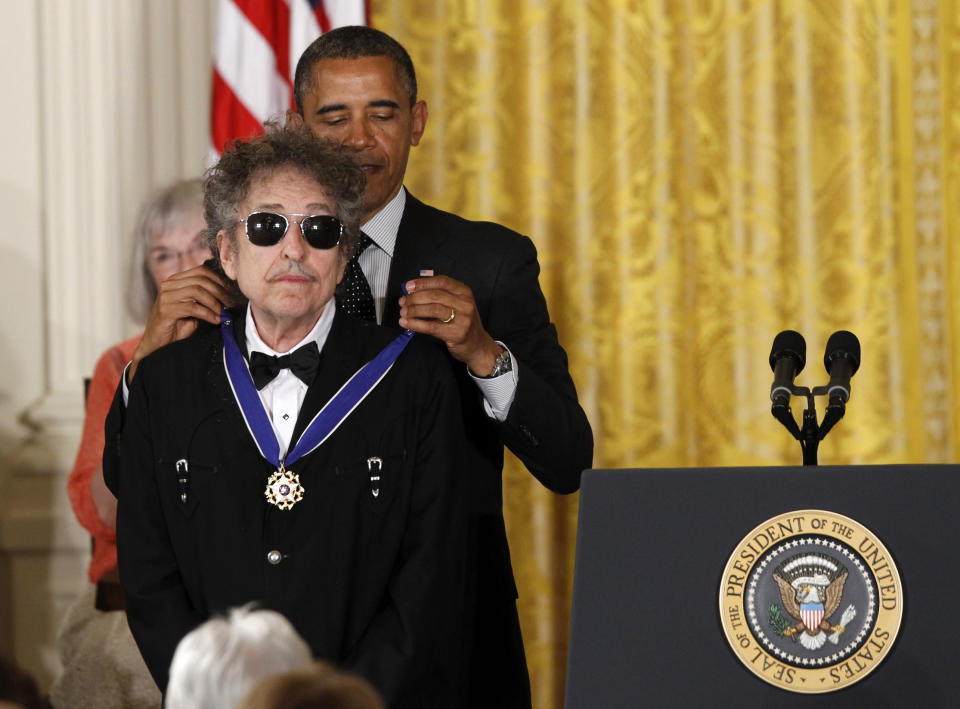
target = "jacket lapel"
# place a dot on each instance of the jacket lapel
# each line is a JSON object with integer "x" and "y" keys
{"x": 420, "y": 245}
{"x": 342, "y": 355}
{"x": 340, "y": 358}
{"x": 218, "y": 383}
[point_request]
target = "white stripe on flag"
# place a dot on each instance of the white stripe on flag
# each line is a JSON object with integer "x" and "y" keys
{"x": 303, "y": 30}
{"x": 247, "y": 64}
{"x": 345, "y": 12}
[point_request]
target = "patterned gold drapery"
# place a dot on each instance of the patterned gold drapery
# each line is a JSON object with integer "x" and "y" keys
{"x": 697, "y": 176}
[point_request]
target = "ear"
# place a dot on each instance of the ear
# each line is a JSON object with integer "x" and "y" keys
{"x": 419, "y": 120}
{"x": 293, "y": 120}
{"x": 226, "y": 251}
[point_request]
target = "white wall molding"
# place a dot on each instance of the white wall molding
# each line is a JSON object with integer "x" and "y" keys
{"x": 112, "y": 101}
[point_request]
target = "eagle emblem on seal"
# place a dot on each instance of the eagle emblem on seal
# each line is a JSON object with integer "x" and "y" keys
{"x": 811, "y": 589}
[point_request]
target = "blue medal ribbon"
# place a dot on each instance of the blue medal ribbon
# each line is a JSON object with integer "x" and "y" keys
{"x": 327, "y": 420}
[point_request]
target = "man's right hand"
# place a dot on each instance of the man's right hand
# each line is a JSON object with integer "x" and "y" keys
{"x": 182, "y": 300}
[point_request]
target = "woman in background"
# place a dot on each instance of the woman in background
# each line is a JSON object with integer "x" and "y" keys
{"x": 102, "y": 666}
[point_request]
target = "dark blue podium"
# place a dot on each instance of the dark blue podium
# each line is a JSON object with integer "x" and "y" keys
{"x": 651, "y": 550}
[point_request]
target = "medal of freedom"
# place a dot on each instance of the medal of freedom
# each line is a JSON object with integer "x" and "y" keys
{"x": 283, "y": 489}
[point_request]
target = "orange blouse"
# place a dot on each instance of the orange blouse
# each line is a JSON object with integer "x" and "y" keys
{"x": 103, "y": 385}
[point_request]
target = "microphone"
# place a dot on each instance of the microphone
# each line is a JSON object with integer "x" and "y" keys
{"x": 842, "y": 360}
{"x": 787, "y": 359}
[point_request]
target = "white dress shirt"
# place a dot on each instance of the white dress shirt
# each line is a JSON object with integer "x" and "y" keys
{"x": 283, "y": 396}
{"x": 382, "y": 228}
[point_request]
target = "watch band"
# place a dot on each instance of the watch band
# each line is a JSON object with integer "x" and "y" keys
{"x": 501, "y": 365}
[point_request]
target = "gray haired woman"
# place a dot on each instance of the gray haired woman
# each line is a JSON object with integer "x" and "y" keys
{"x": 102, "y": 666}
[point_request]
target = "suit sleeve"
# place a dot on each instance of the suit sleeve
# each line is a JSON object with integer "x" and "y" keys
{"x": 159, "y": 610}
{"x": 546, "y": 427}
{"x": 112, "y": 430}
{"x": 412, "y": 649}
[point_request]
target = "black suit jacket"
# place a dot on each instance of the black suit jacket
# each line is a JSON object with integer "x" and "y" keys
{"x": 373, "y": 583}
{"x": 546, "y": 427}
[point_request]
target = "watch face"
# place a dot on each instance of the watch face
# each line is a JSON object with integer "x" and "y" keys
{"x": 502, "y": 365}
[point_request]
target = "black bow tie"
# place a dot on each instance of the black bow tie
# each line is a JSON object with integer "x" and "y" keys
{"x": 302, "y": 362}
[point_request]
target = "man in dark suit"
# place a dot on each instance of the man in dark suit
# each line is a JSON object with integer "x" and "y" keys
{"x": 358, "y": 86}
{"x": 484, "y": 306}
{"x": 252, "y": 469}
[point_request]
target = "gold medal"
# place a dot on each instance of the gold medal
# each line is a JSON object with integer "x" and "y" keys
{"x": 283, "y": 489}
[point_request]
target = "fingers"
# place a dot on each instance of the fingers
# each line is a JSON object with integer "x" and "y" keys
{"x": 458, "y": 326}
{"x": 191, "y": 294}
{"x": 434, "y": 297}
{"x": 199, "y": 277}
{"x": 439, "y": 306}
{"x": 171, "y": 312}
{"x": 442, "y": 283}
{"x": 445, "y": 308}
{"x": 182, "y": 300}
{"x": 454, "y": 334}
{"x": 441, "y": 312}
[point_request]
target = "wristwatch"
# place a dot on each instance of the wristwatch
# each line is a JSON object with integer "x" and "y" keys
{"x": 501, "y": 365}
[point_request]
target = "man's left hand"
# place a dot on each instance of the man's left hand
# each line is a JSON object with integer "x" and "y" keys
{"x": 444, "y": 308}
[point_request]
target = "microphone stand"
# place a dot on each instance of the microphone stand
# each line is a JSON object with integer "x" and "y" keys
{"x": 810, "y": 433}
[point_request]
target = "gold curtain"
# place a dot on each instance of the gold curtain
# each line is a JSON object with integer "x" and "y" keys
{"x": 697, "y": 176}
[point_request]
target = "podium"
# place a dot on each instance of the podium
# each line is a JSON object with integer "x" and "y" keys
{"x": 652, "y": 548}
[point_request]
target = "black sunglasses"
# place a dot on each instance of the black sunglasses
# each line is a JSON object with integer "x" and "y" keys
{"x": 321, "y": 231}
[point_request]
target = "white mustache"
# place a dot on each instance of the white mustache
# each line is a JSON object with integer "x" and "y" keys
{"x": 293, "y": 268}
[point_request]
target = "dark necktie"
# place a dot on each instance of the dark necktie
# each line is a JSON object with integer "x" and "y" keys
{"x": 302, "y": 362}
{"x": 357, "y": 299}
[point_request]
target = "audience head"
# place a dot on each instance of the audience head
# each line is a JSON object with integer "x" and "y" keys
{"x": 216, "y": 664}
{"x": 319, "y": 686}
{"x": 166, "y": 241}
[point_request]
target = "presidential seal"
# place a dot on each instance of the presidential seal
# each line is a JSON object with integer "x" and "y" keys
{"x": 811, "y": 601}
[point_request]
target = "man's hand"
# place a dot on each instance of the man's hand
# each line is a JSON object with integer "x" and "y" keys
{"x": 182, "y": 300}
{"x": 445, "y": 308}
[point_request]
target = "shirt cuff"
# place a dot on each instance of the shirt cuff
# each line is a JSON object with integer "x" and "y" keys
{"x": 498, "y": 393}
{"x": 123, "y": 383}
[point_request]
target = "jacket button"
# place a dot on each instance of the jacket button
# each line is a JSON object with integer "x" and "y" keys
{"x": 274, "y": 557}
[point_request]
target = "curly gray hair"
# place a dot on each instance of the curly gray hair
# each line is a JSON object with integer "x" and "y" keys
{"x": 329, "y": 164}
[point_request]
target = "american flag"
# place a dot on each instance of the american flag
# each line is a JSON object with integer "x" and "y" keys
{"x": 255, "y": 52}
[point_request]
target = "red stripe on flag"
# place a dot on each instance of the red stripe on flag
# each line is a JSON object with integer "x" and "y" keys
{"x": 272, "y": 20}
{"x": 229, "y": 118}
{"x": 322, "y": 19}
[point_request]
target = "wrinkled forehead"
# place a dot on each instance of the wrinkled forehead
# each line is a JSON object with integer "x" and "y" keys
{"x": 348, "y": 81}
